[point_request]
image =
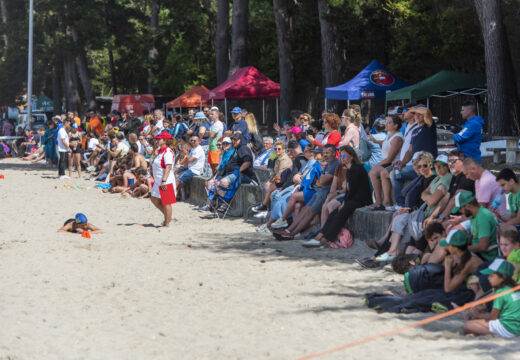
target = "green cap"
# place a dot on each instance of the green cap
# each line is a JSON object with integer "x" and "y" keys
{"x": 442, "y": 158}
{"x": 500, "y": 266}
{"x": 455, "y": 238}
{"x": 461, "y": 199}
{"x": 514, "y": 256}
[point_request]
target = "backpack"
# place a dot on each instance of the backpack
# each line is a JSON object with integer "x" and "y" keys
{"x": 257, "y": 142}
{"x": 365, "y": 150}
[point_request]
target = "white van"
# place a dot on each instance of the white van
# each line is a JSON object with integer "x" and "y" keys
{"x": 40, "y": 120}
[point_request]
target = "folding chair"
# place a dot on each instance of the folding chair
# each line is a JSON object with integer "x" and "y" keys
{"x": 222, "y": 203}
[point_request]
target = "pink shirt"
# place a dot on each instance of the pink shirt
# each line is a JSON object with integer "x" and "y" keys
{"x": 487, "y": 189}
{"x": 351, "y": 136}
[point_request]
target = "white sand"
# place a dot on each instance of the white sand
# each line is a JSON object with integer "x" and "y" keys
{"x": 138, "y": 292}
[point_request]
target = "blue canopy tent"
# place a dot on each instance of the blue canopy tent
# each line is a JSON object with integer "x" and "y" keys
{"x": 372, "y": 82}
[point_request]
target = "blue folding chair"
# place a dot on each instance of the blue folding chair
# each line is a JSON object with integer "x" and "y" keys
{"x": 222, "y": 203}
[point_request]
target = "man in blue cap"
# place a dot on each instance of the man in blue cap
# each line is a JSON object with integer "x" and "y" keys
{"x": 240, "y": 125}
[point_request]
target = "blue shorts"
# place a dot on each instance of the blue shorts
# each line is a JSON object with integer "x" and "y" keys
{"x": 185, "y": 176}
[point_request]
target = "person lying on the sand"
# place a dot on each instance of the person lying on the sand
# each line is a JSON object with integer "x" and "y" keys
{"x": 78, "y": 225}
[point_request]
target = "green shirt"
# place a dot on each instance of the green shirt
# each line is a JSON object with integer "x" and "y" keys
{"x": 484, "y": 225}
{"x": 509, "y": 306}
{"x": 513, "y": 200}
{"x": 438, "y": 181}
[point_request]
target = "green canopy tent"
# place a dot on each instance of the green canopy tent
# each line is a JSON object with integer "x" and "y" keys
{"x": 442, "y": 85}
{"x": 44, "y": 104}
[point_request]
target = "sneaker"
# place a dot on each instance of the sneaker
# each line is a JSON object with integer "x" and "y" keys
{"x": 388, "y": 267}
{"x": 91, "y": 168}
{"x": 261, "y": 215}
{"x": 279, "y": 224}
{"x": 299, "y": 236}
{"x": 64, "y": 177}
{"x": 385, "y": 257}
{"x": 204, "y": 207}
{"x": 263, "y": 229}
{"x": 283, "y": 236}
{"x": 312, "y": 243}
{"x": 259, "y": 208}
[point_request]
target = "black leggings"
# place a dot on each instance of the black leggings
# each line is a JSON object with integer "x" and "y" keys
{"x": 336, "y": 220}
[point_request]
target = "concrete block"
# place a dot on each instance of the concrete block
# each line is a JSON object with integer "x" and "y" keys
{"x": 365, "y": 224}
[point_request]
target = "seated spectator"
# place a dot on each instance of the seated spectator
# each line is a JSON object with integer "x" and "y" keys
{"x": 179, "y": 126}
{"x": 305, "y": 122}
{"x": 358, "y": 196}
{"x": 281, "y": 164}
{"x": 331, "y": 123}
{"x": 398, "y": 228}
{"x": 439, "y": 187}
{"x": 352, "y": 121}
{"x": 313, "y": 208}
{"x": 481, "y": 224}
{"x": 376, "y": 153}
{"x": 317, "y": 129}
{"x": 283, "y": 133}
{"x": 337, "y": 190}
{"x": 242, "y": 158}
{"x": 504, "y": 319}
{"x": 195, "y": 164}
{"x": 380, "y": 173}
{"x": 508, "y": 182}
{"x": 302, "y": 138}
{"x": 262, "y": 160}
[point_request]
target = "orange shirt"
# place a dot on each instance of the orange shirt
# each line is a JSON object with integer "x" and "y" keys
{"x": 77, "y": 120}
{"x": 95, "y": 125}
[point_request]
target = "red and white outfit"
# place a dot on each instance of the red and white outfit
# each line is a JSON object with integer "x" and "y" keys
{"x": 159, "y": 163}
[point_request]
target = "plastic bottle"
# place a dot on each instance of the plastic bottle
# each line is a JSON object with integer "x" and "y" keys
{"x": 397, "y": 172}
{"x": 497, "y": 201}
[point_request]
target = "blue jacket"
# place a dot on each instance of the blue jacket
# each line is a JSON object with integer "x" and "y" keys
{"x": 469, "y": 138}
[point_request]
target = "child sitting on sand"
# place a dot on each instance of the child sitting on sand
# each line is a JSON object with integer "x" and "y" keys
{"x": 504, "y": 319}
{"x": 78, "y": 225}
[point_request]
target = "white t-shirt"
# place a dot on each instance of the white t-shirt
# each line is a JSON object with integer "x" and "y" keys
{"x": 160, "y": 127}
{"x": 158, "y": 171}
{"x": 92, "y": 144}
{"x": 123, "y": 147}
{"x": 218, "y": 128}
{"x": 387, "y": 145}
{"x": 63, "y": 140}
{"x": 407, "y": 139}
{"x": 197, "y": 166}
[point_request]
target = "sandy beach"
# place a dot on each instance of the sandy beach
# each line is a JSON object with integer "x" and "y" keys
{"x": 202, "y": 289}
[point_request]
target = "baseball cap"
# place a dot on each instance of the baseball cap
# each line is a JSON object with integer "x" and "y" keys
{"x": 455, "y": 238}
{"x": 416, "y": 155}
{"x": 164, "y": 135}
{"x": 81, "y": 218}
{"x": 199, "y": 115}
{"x": 461, "y": 199}
{"x": 226, "y": 140}
{"x": 396, "y": 110}
{"x": 442, "y": 158}
{"x": 214, "y": 108}
{"x": 236, "y": 136}
{"x": 75, "y": 126}
{"x": 236, "y": 110}
{"x": 500, "y": 266}
{"x": 296, "y": 130}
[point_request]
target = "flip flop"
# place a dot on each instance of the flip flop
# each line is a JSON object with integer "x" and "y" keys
{"x": 378, "y": 208}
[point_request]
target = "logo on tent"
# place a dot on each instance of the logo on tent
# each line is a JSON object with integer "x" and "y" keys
{"x": 381, "y": 78}
{"x": 368, "y": 94}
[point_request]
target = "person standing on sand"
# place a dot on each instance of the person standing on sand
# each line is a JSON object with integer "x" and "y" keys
{"x": 63, "y": 149}
{"x": 163, "y": 175}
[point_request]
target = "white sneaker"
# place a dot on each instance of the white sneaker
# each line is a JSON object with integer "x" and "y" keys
{"x": 64, "y": 177}
{"x": 299, "y": 236}
{"x": 262, "y": 229}
{"x": 261, "y": 215}
{"x": 312, "y": 243}
{"x": 279, "y": 224}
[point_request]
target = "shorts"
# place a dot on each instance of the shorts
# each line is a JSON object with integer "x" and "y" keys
{"x": 317, "y": 201}
{"x": 400, "y": 223}
{"x": 76, "y": 150}
{"x": 496, "y": 328}
{"x": 213, "y": 157}
{"x": 186, "y": 176}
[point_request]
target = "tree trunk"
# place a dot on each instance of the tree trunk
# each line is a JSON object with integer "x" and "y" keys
{"x": 239, "y": 35}
{"x": 152, "y": 53}
{"x": 71, "y": 83}
{"x": 3, "y": 10}
{"x": 82, "y": 67}
{"x": 332, "y": 56}
{"x": 56, "y": 88}
{"x": 222, "y": 41}
{"x": 109, "y": 47}
{"x": 503, "y": 111}
{"x": 283, "y": 31}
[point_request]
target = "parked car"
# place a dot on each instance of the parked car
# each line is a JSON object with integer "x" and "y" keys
{"x": 40, "y": 120}
{"x": 445, "y": 141}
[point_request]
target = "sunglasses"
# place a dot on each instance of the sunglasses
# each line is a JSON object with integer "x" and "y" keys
{"x": 423, "y": 166}
{"x": 343, "y": 156}
{"x": 453, "y": 161}
{"x": 278, "y": 148}
{"x": 219, "y": 145}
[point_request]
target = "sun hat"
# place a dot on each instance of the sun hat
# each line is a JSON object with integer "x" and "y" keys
{"x": 442, "y": 158}
{"x": 226, "y": 140}
{"x": 199, "y": 115}
{"x": 81, "y": 218}
{"x": 455, "y": 238}
{"x": 500, "y": 266}
{"x": 461, "y": 199}
{"x": 236, "y": 110}
{"x": 164, "y": 135}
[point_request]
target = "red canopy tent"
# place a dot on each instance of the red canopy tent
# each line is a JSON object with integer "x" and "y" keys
{"x": 245, "y": 83}
{"x": 190, "y": 99}
{"x": 137, "y": 102}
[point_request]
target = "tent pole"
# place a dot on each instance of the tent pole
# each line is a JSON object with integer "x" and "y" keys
{"x": 225, "y": 109}
{"x": 200, "y": 108}
{"x": 428, "y": 102}
{"x": 212, "y": 103}
{"x": 263, "y": 111}
{"x": 348, "y": 103}
{"x": 277, "y": 114}
{"x": 325, "y": 105}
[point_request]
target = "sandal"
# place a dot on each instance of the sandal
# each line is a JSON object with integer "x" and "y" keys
{"x": 378, "y": 208}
